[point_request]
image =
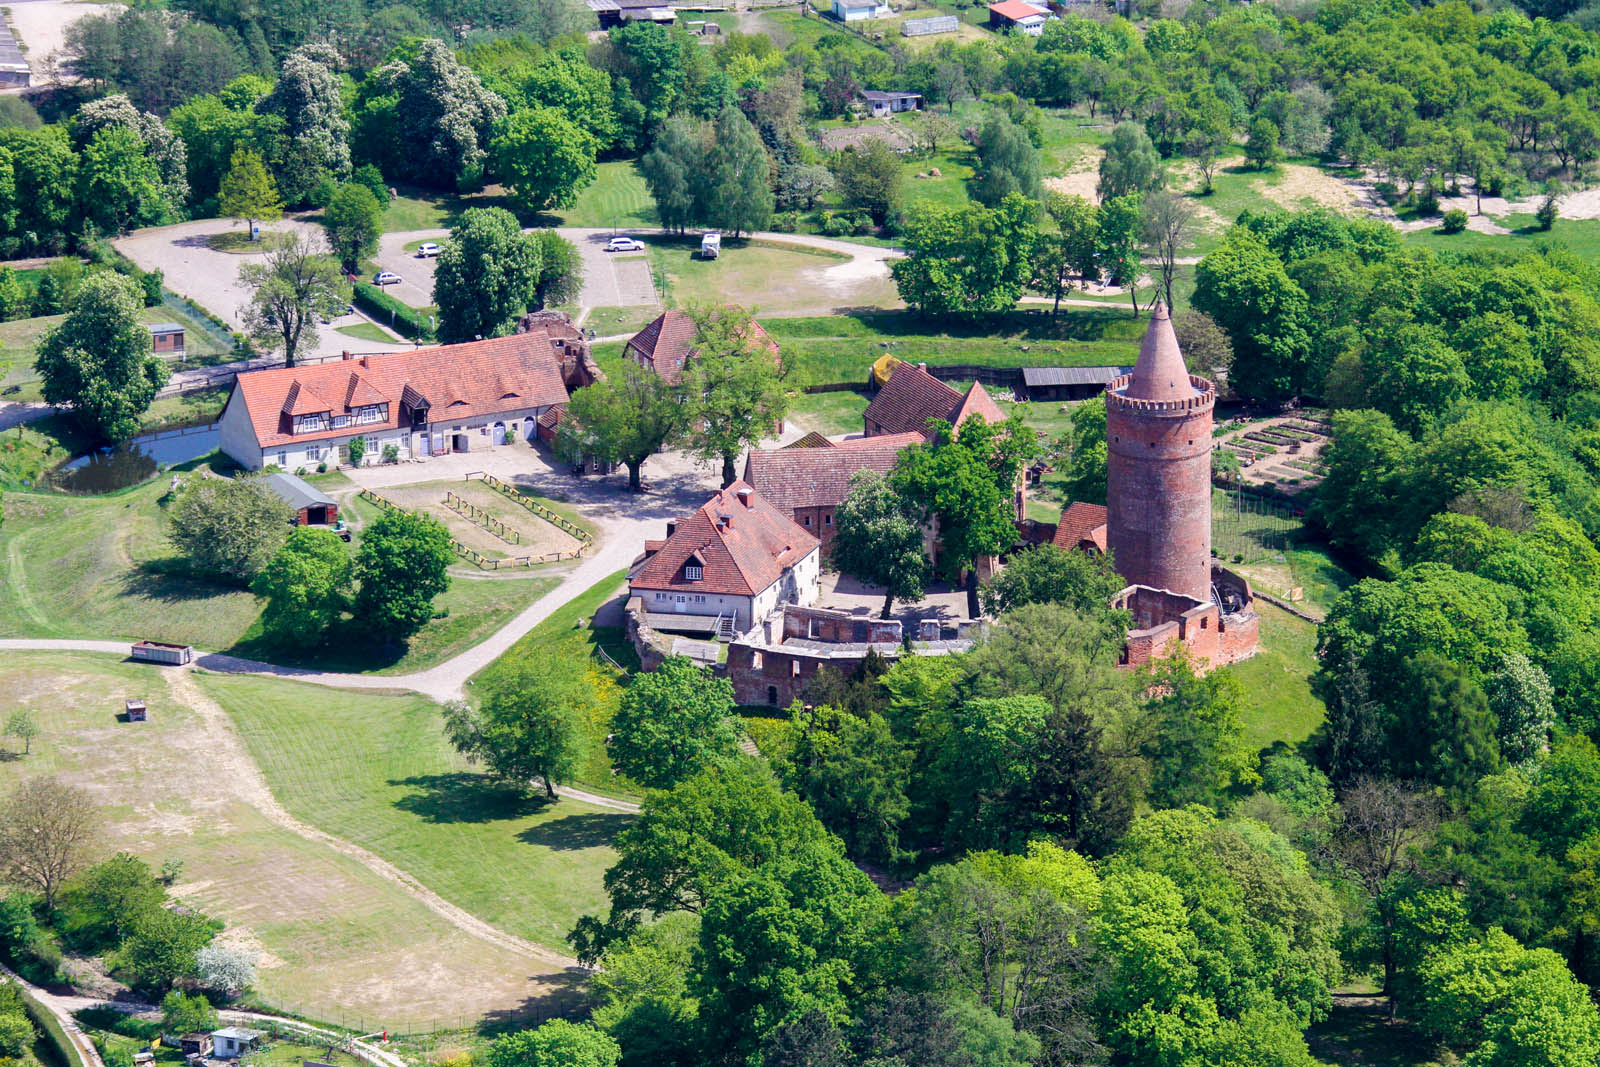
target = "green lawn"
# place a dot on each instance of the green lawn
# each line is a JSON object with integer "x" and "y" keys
{"x": 335, "y": 937}
{"x": 19, "y": 339}
{"x": 427, "y": 209}
{"x": 562, "y": 638}
{"x": 366, "y": 331}
{"x": 829, "y": 413}
{"x": 841, "y": 348}
{"x": 618, "y": 197}
{"x": 765, "y": 277}
{"x": 1278, "y": 704}
{"x": 1582, "y": 236}
{"x": 376, "y": 770}
{"x": 101, "y": 567}
{"x": 611, "y": 321}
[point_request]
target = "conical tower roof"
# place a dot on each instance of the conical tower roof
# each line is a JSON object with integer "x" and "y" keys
{"x": 1160, "y": 373}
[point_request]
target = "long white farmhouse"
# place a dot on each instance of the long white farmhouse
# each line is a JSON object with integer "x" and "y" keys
{"x": 424, "y": 402}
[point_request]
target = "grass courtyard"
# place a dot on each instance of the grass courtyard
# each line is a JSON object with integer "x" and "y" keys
{"x": 333, "y": 936}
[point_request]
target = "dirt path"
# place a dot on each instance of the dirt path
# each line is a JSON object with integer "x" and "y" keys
{"x": 231, "y": 762}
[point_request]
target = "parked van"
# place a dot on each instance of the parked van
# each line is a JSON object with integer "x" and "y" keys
{"x": 711, "y": 246}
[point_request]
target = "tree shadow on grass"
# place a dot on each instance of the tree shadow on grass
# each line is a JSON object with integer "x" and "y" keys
{"x": 568, "y": 998}
{"x": 571, "y": 833}
{"x": 461, "y": 796}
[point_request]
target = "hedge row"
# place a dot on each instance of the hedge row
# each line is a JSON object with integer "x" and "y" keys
{"x": 66, "y": 1053}
{"x": 402, "y": 318}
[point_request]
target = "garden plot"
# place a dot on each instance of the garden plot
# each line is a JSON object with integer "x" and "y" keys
{"x": 1283, "y": 453}
{"x": 483, "y": 519}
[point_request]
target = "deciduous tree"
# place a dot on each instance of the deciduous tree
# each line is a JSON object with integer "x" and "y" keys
{"x": 1131, "y": 163}
{"x": 544, "y": 156}
{"x": 297, "y": 285}
{"x": 560, "y": 270}
{"x": 48, "y": 830}
{"x": 21, "y": 726}
{"x": 625, "y": 419}
{"x": 673, "y": 723}
{"x": 247, "y": 191}
{"x": 557, "y": 1043}
{"x": 403, "y": 564}
{"x": 306, "y": 584}
{"x": 487, "y": 275}
{"x": 98, "y": 362}
{"x": 1046, "y": 574}
{"x": 533, "y": 723}
{"x": 354, "y": 220}
{"x": 870, "y": 176}
{"x": 229, "y": 527}
{"x": 877, "y": 540}
{"x": 734, "y": 386}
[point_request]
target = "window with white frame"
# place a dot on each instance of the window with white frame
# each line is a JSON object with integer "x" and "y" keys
{"x": 313, "y": 452}
{"x": 693, "y": 572}
{"x": 283, "y": 459}
{"x": 372, "y": 446}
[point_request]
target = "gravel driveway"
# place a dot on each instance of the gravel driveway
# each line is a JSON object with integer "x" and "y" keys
{"x": 195, "y": 270}
{"x": 609, "y": 279}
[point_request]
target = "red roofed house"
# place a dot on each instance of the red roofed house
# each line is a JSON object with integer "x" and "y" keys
{"x": 666, "y": 344}
{"x": 1018, "y": 15}
{"x": 807, "y": 484}
{"x": 425, "y": 402}
{"x": 912, "y": 396}
{"x": 1082, "y": 526}
{"x": 726, "y": 567}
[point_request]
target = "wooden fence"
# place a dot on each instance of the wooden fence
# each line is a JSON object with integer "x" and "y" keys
{"x": 481, "y": 519}
{"x": 561, "y": 522}
{"x": 472, "y": 555}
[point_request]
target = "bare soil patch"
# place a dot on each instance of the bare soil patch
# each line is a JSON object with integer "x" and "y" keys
{"x": 1082, "y": 178}
{"x": 528, "y": 535}
{"x": 1302, "y": 185}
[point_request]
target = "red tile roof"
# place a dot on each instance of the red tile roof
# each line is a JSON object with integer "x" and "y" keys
{"x": 742, "y": 555}
{"x": 1015, "y": 10}
{"x": 1081, "y": 522}
{"x": 912, "y": 396}
{"x": 666, "y": 344}
{"x": 818, "y": 477}
{"x": 462, "y": 381}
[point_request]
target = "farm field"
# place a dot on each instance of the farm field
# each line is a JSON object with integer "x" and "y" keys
{"x": 377, "y": 771}
{"x": 334, "y": 937}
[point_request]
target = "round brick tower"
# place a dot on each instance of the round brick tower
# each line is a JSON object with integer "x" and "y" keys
{"x": 1158, "y": 469}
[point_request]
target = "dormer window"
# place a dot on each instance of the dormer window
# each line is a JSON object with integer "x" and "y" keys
{"x": 311, "y": 423}
{"x": 693, "y": 572}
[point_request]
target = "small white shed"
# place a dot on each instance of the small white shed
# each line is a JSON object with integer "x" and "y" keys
{"x": 231, "y": 1042}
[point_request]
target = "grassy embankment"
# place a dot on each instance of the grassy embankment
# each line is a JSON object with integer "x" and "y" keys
{"x": 101, "y": 567}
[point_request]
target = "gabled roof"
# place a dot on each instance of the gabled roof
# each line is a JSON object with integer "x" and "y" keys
{"x": 814, "y": 439}
{"x": 1015, "y": 10}
{"x": 1081, "y": 522}
{"x": 744, "y": 543}
{"x": 666, "y": 344}
{"x": 793, "y": 478}
{"x": 297, "y": 492}
{"x": 912, "y": 396}
{"x": 879, "y": 97}
{"x": 458, "y": 381}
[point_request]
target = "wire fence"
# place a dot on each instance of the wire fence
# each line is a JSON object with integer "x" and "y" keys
{"x": 559, "y": 521}
{"x": 481, "y": 518}
{"x": 1246, "y": 528}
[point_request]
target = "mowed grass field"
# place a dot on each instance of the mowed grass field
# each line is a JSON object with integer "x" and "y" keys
{"x": 766, "y": 278}
{"x": 335, "y": 939}
{"x": 377, "y": 770}
{"x": 101, "y": 567}
{"x": 842, "y": 348}
{"x": 1278, "y": 704}
{"x": 617, "y": 197}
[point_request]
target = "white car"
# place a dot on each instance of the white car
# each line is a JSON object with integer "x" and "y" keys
{"x": 386, "y": 277}
{"x": 624, "y": 244}
{"x": 427, "y": 250}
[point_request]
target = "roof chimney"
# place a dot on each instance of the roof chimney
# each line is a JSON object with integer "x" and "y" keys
{"x": 344, "y": 355}
{"x": 745, "y": 493}
{"x": 365, "y": 363}
{"x": 924, "y": 366}
{"x": 672, "y": 528}
{"x": 725, "y": 520}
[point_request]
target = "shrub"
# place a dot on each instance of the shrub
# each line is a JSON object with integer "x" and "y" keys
{"x": 1427, "y": 202}
{"x": 321, "y": 194}
{"x": 403, "y": 319}
{"x": 1455, "y": 220}
{"x": 356, "y": 449}
{"x": 1549, "y": 211}
{"x": 150, "y": 282}
{"x": 391, "y": 453}
{"x": 322, "y": 468}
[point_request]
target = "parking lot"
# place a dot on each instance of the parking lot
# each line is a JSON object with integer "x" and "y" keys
{"x": 610, "y": 279}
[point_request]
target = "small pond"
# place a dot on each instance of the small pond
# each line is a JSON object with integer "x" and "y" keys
{"x": 136, "y": 460}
